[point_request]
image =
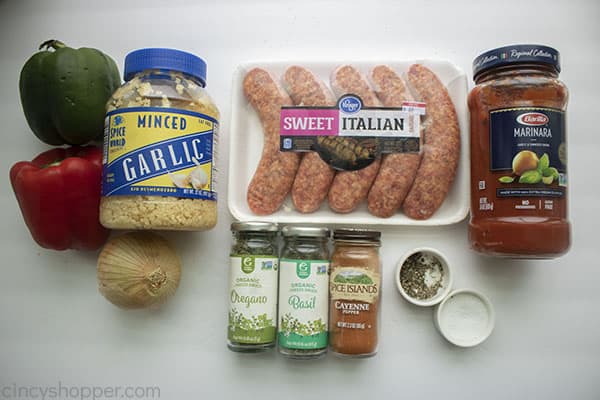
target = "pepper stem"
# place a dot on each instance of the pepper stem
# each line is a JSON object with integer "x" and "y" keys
{"x": 52, "y": 43}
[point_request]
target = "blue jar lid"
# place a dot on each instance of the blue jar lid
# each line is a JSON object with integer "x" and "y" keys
{"x": 516, "y": 54}
{"x": 165, "y": 59}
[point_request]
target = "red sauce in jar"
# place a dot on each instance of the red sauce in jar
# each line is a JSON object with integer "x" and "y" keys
{"x": 518, "y": 154}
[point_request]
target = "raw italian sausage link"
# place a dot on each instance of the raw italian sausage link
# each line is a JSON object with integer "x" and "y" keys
{"x": 347, "y": 79}
{"x": 441, "y": 150}
{"x": 349, "y": 188}
{"x": 398, "y": 170}
{"x": 314, "y": 175}
{"x": 275, "y": 173}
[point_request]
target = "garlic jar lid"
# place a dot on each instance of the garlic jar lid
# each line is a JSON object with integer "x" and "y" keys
{"x": 465, "y": 318}
{"x": 165, "y": 59}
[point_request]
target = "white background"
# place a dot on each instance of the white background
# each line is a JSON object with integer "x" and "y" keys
{"x": 55, "y": 327}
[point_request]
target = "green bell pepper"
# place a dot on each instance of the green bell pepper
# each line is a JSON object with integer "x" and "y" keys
{"x": 64, "y": 92}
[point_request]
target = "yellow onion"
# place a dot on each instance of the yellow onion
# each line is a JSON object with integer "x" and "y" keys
{"x": 137, "y": 270}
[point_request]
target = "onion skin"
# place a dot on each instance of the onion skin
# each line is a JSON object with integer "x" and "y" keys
{"x": 138, "y": 270}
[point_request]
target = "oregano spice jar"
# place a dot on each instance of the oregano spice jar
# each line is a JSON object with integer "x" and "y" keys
{"x": 355, "y": 291}
{"x": 304, "y": 292}
{"x": 253, "y": 287}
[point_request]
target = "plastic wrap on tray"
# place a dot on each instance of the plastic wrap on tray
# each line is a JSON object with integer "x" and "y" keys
{"x": 375, "y": 178}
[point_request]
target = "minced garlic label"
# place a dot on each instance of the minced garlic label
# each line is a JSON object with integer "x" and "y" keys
{"x": 153, "y": 151}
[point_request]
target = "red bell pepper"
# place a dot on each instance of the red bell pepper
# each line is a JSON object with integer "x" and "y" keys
{"x": 59, "y": 196}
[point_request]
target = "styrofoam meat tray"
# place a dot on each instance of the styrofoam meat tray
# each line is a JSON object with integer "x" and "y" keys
{"x": 246, "y": 142}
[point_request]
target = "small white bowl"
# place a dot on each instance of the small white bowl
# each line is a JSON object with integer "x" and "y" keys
{"x": 446, "y": 280}
{"x": 465, "y": 318}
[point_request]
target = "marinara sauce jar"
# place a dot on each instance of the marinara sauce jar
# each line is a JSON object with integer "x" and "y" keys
{"x": 518, "y": 154}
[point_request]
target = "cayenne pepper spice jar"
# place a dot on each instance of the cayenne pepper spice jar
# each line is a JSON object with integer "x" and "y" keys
{"x": 253, "y": 287}
{"x": 518, "y": 154}
{"x": 304, "y": 292}
{"x": 355, "y": 290}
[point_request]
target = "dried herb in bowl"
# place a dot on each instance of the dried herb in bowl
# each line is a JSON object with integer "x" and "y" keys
{"x": 422, "y": 275}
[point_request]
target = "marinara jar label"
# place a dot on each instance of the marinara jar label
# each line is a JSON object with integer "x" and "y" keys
{"x": 156, "y": 151}
{"x": 303, "y": 304}
{"x": 350, "y": 136}
{"x": 527, "y": 159}
{"x": 252, "y": 299}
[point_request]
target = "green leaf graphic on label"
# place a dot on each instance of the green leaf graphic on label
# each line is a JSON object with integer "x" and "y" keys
{"x": 257, "y": 329}
{"x": 506, "y": 179}
{"x": 553, "y": 172}
{"x": 295, "y": 334}
{"x": 531, "y": 177}
{"x": 290, "y": 324}
{"x": 547, "y": 179}
{"x": 543, "y": 163}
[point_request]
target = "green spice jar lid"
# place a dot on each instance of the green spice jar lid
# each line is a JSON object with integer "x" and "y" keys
{"x": 305, "y": 231}
{"x": 241, "y": 226}
{"x": 356, "y": 234}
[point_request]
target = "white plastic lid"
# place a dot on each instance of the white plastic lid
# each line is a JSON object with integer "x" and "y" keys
{"x": 465, "y": 318}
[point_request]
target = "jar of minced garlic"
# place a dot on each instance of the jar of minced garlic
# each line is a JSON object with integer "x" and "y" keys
{"x": 160, "y": 135}
{"x": 354, "y": 293}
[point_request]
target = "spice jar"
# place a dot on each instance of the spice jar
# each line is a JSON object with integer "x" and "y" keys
{"x": 518, "y": 154}
{"x": 304, "y": 292}
{"x": 355, "y": 290}
{"x": 253, "y": 287}
{"x": 159, "y": 145}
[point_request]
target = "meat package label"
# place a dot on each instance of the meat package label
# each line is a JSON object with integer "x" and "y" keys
{"x": 350, "y": 136}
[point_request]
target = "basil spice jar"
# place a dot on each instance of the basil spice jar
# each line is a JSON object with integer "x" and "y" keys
{"x": 304, "y": 292}
{"x": 253, "y": 287}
